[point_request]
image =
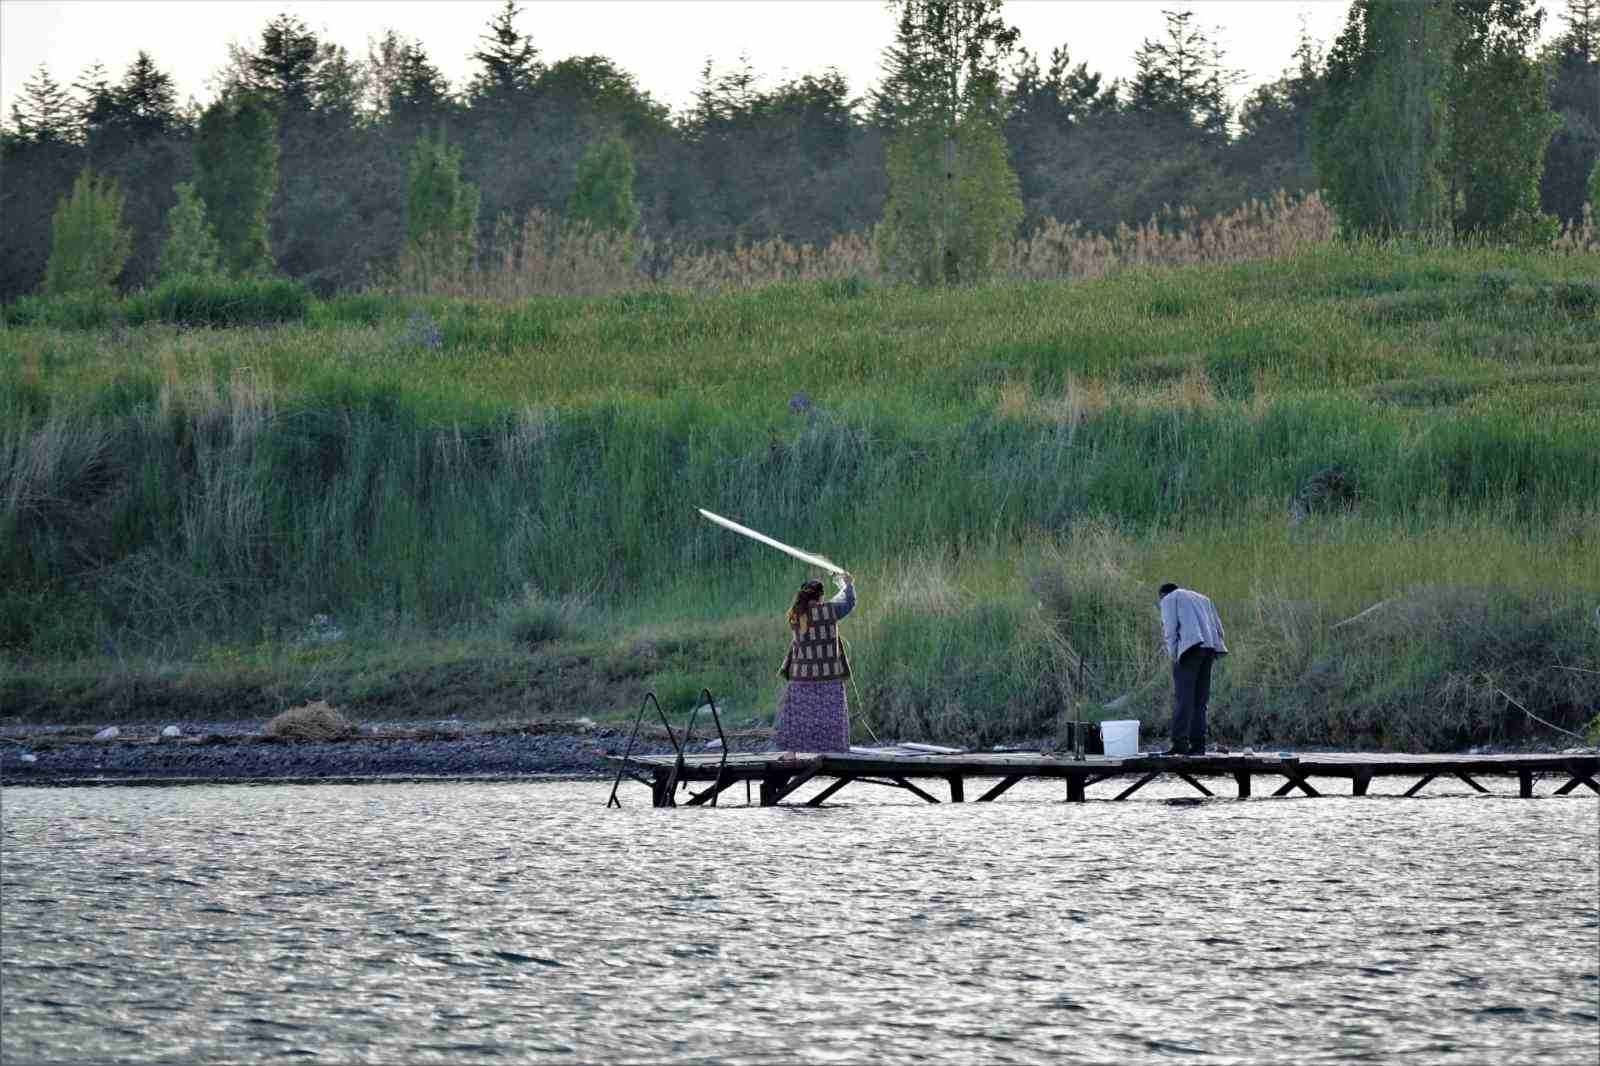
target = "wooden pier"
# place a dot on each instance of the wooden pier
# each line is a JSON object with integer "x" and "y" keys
{"x": 921, "y": 772}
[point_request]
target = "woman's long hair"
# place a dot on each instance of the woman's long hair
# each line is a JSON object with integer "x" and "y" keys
{"x": 800, "y": 611}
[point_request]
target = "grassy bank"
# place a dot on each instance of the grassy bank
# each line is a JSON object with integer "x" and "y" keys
{"x": 495, "y": 503}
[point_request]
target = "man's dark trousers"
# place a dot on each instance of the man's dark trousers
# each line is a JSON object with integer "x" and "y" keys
{"x": 1191, "y": 691}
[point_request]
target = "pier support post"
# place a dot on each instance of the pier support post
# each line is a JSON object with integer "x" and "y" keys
{"x": 1075, "y": 787}
{"x": 1525, "y": 783}
{"x": 958, "y": 793}
{"x": 1296, "y": 780}
{"x": 1242, "y": 779}
{"x": 710, "y": 794}
{"x": 821, "y": 797}
{"x": 1136, "y": 786}
{"x": 1418, "y": 787}
{"x": 772, "y": 789}
{"x": 662, "y": 788}
{"x": 1360, "y": 778}
{"x": 793, "y": 783}
{"x": 914, "y": 790}
{"x": 1005, "y": 783}
{"x": 1577, "y": 779}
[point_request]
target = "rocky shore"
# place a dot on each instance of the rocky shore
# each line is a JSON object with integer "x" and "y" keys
{"x": 240, "y": 751}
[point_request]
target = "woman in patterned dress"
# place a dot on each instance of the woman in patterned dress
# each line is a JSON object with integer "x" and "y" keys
{"x": 815, "y": 716}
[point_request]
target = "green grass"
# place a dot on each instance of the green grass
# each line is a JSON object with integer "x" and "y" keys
{"x": 498, "y": 501}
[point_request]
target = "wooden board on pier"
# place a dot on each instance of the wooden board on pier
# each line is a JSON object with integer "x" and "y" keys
{"x": 781, "y": 773}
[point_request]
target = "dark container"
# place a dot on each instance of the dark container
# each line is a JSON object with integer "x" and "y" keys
{"x": 1092, "y": 744}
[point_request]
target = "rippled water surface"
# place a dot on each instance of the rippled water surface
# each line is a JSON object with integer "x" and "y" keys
{"x": 523, "y": 922}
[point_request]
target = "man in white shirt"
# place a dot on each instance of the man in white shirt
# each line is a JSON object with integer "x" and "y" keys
{"x": 1193, "y": 635}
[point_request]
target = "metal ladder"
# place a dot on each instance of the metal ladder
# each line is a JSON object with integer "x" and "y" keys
{"x": 675, "y": 779}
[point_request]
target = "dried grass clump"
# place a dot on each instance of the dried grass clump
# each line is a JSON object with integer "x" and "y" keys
{"x": 311, "y": 721}
{"x": 1581, "y": 236}
{"x": 1275, "y": 228}
{"x": 924, "y": 582}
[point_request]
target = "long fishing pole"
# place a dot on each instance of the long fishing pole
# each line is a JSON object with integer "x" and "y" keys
{"x": 745, "y": 531}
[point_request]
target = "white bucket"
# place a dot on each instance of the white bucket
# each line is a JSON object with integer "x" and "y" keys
{"x": 1121, "y": 737}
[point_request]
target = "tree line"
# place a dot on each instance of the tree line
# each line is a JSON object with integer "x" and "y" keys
{"x": 1439, "y": 116}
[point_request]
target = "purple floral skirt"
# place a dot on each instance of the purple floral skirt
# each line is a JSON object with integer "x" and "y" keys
{"x": 814, "y": 718}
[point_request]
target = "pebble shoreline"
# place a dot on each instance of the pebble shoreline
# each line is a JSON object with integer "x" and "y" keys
{"x": 237, "y": 752}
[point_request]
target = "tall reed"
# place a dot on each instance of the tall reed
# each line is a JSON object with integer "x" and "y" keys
{"x": 1010, "y": 469}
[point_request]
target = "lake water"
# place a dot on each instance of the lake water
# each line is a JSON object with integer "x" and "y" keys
{"x": 524, "y": 922}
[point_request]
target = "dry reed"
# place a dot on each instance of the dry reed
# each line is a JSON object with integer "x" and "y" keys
{"x": 311, "y": 721}
{"x": 1580, "y": 236}
{"x": 1275, "y": 228}
{"x": 546, "y": 256}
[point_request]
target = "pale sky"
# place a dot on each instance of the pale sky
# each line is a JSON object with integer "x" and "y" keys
{"x": 663, "y": 43}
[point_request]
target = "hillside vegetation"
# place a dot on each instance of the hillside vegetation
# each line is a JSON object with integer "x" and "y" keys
{"x": 493, "y": 504}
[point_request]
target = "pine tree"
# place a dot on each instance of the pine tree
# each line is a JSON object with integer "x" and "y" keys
{"x": 1183, "y": 76}
{"x": 285, "y": 69}
{"x": 603, "y": 197}
{"x": 191, "y": 249}
{"x": 953, "y": 200}
{"x": 410, "y": 91}
{"x": 441, "y": 212}
{"x": 236, "y": 156}
{"x": 45, "y": 114}
{"x": 145, "y": 100}
{"x": 510, "y": 61}
{"x": 90, "y": 244}
{"x": 97, "y": 103}
{"x": 1574, "y": 62}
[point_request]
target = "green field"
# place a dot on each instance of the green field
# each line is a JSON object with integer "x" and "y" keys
{"x": 496, "y": 502}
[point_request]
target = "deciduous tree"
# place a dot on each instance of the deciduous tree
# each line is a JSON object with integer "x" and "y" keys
{"x": 603, "y": 198}
{"x": 91, "y": 244}
{"x": 236, "y": 157}
{"x": 441, "y": 212}
{"x": 191, "y": 249}
{"x": 953, "y": 198}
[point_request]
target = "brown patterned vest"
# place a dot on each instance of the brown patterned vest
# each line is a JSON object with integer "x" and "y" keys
{"x": 817, "y": 655}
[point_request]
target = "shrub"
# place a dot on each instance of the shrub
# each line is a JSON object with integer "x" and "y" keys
{"x": 79, "y": 310}
{"x": 532, "y": 619}
{"x": 1581, "y": 298}
{"x": 1497, "y": 282}
{"x": 311, "y": 721}
{"x": 211, "y": 302}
